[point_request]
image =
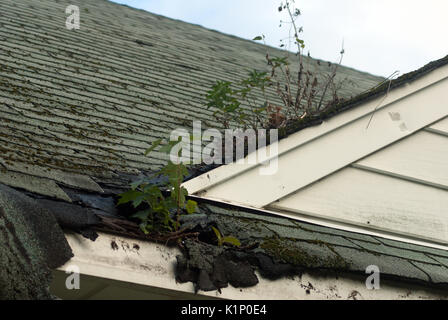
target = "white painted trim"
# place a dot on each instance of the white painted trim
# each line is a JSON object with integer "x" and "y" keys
{"x": 317, "y": 152}
{"x": 421, "y": 158}
{"x": 436, "y": 131}
{"x": 150, "y": 265}
{"x": 308, "y": 135}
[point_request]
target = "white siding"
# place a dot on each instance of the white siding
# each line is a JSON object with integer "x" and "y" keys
{"x": 422, "y": 158}
{"x": 400, "y": 189}
{"x": 377, "y": 201}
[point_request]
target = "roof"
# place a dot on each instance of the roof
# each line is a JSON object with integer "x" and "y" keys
{"x": 78, "y": 108}
{"x": 83, "y": 115}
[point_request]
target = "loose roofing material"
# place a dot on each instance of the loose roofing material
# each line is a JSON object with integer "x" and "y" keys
{"x": 287, "y": 247}
{"x": 78, "y": 108}
{"x": 27, "y": 254}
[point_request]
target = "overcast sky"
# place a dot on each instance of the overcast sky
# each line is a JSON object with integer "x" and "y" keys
{"x": 380, "y": 36}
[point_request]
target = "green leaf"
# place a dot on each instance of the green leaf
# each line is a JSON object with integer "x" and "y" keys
{"x": 137, "y": 201}
{"x": 128, "y": 196}
{"x": 218, "y": 235}
{"x": 176, "y": 173}
{"x": 142, "y": 215}
{"x": 258, "y": 38}
{"x": 167, "y": 148}
{"x": 153, "y": 192}
{"x": 191, "y": 206}
{"x": 144, "y": 226}
{"x": 178, "y": 195}
{"x": 134, "y": 185}
{"x": 231, "y": 240}
{"x": 154, "y": 145}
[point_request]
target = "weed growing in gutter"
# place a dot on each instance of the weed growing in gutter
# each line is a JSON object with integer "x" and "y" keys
{"x": 160, "y": 207}
{"x": 225, "y": 240}
{"x": 159, "y": 212}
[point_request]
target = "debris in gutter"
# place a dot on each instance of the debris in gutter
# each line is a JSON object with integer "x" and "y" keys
{"x": 212, "y": 267}
{"x": 203, "y": 262}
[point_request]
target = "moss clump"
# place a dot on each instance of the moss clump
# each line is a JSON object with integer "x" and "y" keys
{"x": 290, "y": 253}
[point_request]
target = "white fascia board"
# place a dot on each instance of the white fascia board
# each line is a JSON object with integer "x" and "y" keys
{"x": 126, "y": 260}
{"x": 318, "y": 151}
{"x": 152, "y": 266}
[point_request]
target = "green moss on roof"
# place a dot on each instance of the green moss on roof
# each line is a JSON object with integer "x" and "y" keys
{"x": 90, "y": 101}
{"x": 310, "y": 247}
{"x": 295, "y": 254}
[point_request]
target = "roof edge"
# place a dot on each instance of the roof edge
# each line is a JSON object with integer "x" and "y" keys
{"x": 366, "y": 96}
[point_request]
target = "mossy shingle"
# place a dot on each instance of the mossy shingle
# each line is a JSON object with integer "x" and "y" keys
{"x": 89, "y": 102}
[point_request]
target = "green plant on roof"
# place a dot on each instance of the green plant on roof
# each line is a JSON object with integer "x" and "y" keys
{"x": 227, "y": 99}
{"x": 161, "y": 205}
{"x": 225, "y": 240}
{"x": 281, "y": 95}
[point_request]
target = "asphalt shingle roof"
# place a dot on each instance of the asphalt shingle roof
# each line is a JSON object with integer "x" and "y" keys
{"x": 79, "y": 107}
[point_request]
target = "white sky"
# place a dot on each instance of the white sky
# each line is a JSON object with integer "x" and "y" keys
{"x": 380, "y": 36}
